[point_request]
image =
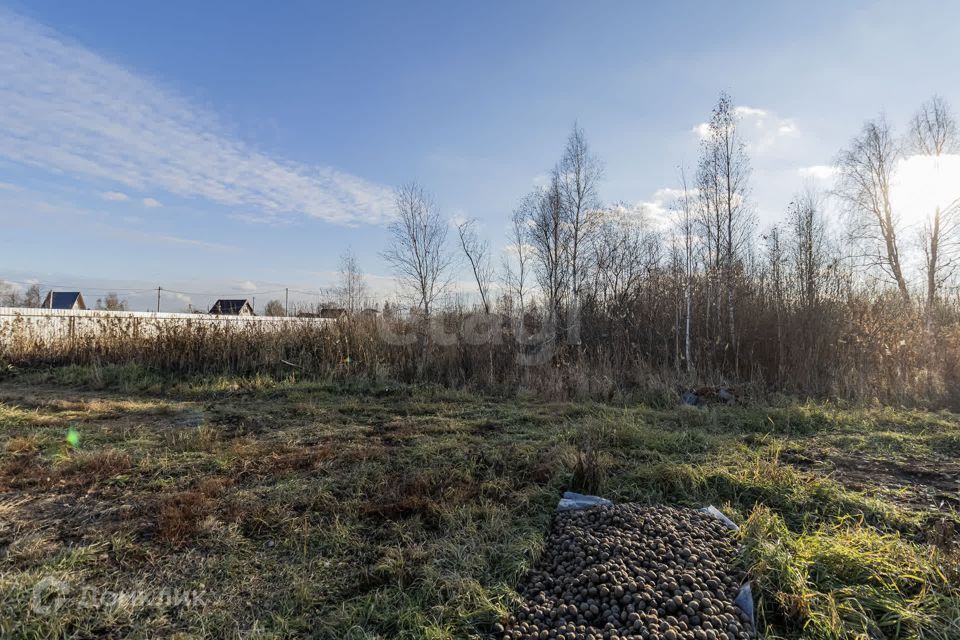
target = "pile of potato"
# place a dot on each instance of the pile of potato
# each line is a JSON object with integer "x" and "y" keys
{"x": 632, "y": 571}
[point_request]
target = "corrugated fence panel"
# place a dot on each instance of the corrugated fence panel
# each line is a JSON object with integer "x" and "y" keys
{"x": 51, "y": 325}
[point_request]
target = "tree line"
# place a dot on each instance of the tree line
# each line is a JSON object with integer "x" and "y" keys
{"x": 803, "y": 305}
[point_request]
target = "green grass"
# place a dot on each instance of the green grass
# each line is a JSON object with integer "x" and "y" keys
{"x": 309, "y": 508}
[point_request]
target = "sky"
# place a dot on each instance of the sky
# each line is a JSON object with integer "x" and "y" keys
{"x": 239, "y": 148}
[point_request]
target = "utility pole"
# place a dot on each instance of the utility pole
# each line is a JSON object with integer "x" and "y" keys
{"x": 286, "y": 301}
{"x": 158, "y": 299}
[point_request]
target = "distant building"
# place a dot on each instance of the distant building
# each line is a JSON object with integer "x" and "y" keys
{"x": 370, "y": 313}
{"x": 224, "y": 307}
{"x": 332, "y": 313}
{"x": 65, "y": 300}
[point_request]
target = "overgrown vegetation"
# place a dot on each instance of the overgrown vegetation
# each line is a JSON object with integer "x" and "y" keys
{"x": 602, "y": 301}
{"x": 383, "y": 510}
{"x": 626, "y": 358}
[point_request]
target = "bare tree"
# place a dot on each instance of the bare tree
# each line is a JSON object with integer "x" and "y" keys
{"x": 933, "y": 129}
{"x": 31, "y": 297}
{"x": 516, "y": 266}
{"x": 624, "y": 249}
{"x": 419, "y": 254}
{"x": 477, "y": 252}
{"x": 723, "y": 182}
{"x": 577, "y": 176}
{"x": 776, "y": 262}
{"x": 8, "y": 295}
{"x": 808, "y": 251}
{"x": 351, "y": 289}
{"x": 10, "y": 298}
{"x": 685, "y": 228}
{"x": 863, "y": 186}
{"x": 933, "y": 132}
{"x": 549, "y": 238}
{"x": 111, "y": 302}
{"x": 274, "y": 308}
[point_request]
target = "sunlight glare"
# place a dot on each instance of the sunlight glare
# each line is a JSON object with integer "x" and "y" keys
{"x": 920, "y": 183}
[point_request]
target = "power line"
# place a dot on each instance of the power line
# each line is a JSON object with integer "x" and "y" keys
{"x": 257, "y": 292}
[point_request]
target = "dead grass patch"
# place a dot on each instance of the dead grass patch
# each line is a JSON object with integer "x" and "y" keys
{"x": 88, "y": 467}
{"x": 179, "y": 515}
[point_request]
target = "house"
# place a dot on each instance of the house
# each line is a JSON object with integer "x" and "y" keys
{"x": 370, "y": 313}
{"x": 237, "y": 307}
{"x": 66, "y": 300}
{"x": 332, "y": 313}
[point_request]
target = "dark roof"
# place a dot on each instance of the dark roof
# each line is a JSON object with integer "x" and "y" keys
{"x": 332, "y": 312}
{"x": 64, "y": 300}
{"x": 226, "y": 307}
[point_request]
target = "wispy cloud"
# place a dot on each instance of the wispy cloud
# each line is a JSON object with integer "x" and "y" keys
{"x": 818, "y": 172}
{"x": 67, "y": 109}
{"x": 49, "y": 212}
{"x": 114, "y": 196}
{"x": 261, "y": 219}
{"x": 761, "y": 128}
{"x": 151, "y": 203}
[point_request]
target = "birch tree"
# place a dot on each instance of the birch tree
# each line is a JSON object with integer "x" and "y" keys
{"x": 933, "y": 133}
{"x": 351, "y": 287}
{"x": 685, "y": 227}
{"x": 808, "y": 251}
{"x": 477, "y": 253}
{"x": 419, "y": 254}
{"x": 549, "y": 238}
{"x": 863, "y": 187}
{"x": 577, "y": 176}
{"x": 517, "y": 263}
{"x": 723, "y": 182}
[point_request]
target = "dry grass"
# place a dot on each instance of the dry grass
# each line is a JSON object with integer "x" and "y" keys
{"x": 314, "y": 509}
{"x": 861, "y": 346}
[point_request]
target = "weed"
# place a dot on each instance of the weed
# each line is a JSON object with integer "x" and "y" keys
{"x": 383, "y": 510}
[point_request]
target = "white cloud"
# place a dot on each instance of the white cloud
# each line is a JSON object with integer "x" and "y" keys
{"x": 248, "y": 285}
{"x": 787, "y": 128}
{"x": 669, "y": 194}
{"x": 760, "y": 128}
{"x": 818, "y": 172}
{"x": 459, "y": 216}
{"x": 114, "y": 196}
{"x": 151, "y": 203}
{"x": 653, "y": 214}
{"x": 66, "y": 109}
{"x": 702, "y": 130}
{"x": 541, "y": 180}
{"x": 750, "y": 112}
{"x": 182, "y": 297}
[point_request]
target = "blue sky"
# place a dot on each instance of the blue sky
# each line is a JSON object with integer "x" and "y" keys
{"x": 227, "y": 147}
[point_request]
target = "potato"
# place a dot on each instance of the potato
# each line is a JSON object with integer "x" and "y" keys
{"x": 633, "y": 572}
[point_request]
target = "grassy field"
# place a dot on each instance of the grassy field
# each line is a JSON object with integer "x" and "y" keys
{"x": 291, "y": 509}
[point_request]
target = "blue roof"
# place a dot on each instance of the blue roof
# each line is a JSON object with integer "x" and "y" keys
{"x": 227, "y": 307}
{"x": 62, "y": 299}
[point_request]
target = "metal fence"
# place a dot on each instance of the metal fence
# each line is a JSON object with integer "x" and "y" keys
{"x": 50, "y": 325}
